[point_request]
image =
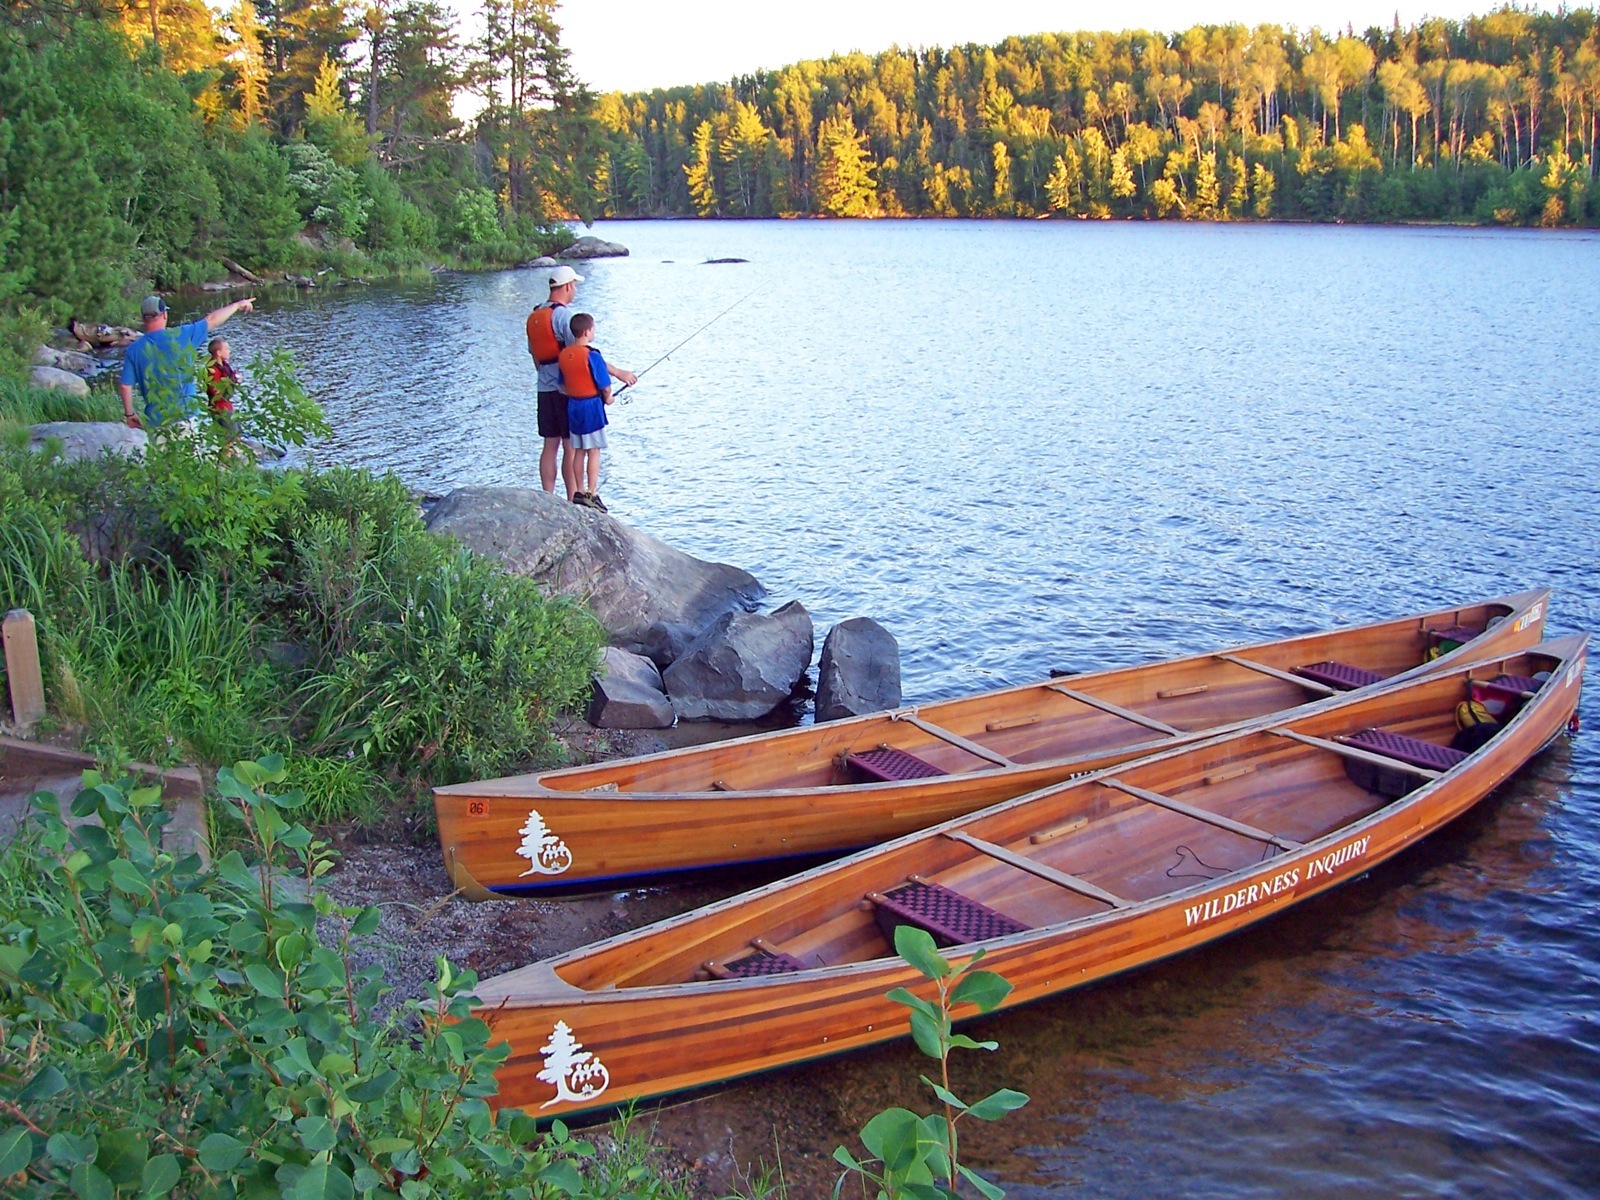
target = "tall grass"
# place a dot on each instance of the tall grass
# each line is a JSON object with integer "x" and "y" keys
{"x": 22, "y": 406}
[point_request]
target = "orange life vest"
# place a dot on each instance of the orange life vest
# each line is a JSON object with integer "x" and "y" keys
{"x": 542, "y": 340}
{"x": 577, "y": 377}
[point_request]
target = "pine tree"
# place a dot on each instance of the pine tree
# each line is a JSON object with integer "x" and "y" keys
{"x": 249, "y": 66}
{"x": 844, "y": 184}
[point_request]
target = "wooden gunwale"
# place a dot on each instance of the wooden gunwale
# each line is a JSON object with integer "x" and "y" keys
{"x": 679, "y": 1035}
{"x": 695, "y": 829}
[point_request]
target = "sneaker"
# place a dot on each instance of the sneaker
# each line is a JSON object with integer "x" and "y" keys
{"x": 596, "y": 502}
{"x": 581, "y": 498}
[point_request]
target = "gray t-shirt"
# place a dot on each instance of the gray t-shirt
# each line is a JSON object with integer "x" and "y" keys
{"x": 550, "y": 373}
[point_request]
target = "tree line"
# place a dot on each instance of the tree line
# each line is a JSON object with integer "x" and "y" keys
{"x": 1493, "y": 119}
{"x": 142, "y": 142}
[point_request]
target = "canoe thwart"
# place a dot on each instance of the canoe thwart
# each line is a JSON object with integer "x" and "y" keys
{"x": 952, "y": 919}
{"x": 1116, "y": 710}
{"x": 888, "y": 765}
{"x": 1200, "y": 814}
{"x": 1023, "y": 863}
{"x": 955, "y": 739}
{"x": 1312, "y": 685}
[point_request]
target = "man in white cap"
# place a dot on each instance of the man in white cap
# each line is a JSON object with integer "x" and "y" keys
{"x": 163, "y": 364}
{"x": 550, "y": 332}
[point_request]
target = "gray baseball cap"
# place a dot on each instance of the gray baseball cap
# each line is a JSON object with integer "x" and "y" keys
{"x": 153, "y": 306}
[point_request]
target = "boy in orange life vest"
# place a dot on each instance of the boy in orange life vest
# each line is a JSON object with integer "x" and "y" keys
{"x": 588, "y": 386}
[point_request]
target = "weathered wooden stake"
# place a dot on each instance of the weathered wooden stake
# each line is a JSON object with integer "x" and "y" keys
{"x": 22, "y": 668}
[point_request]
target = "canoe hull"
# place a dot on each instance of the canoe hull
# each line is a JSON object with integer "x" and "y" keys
{"x": 536, "y": 834}
{"x": 631, "y": 1043}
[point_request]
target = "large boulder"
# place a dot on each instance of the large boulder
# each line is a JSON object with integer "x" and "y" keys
{"x": 66, "y": 360}
{"x": 743, "y": 667}
{"x": 628, "y": 694}
{"x": 544, "y": 260}
{"x": 859, "y": 671}
{"x": 632, "y": 580}
{"x": 56, "y": 380}
{"x": 89, "y": 439}
{"x": 593, "y": 247}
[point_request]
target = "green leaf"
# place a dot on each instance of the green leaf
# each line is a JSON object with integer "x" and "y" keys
{"x": 901, "y": 996}
{"x": 562, "y": 1176}
{"x": 291, "y": 950}
{"x": 984, "y": 988}
{"x": 122, "y": 1156}
{"x": 928, "y": 1032}
{"x": 160, "y": 1175}
{"x": 997, "y": 1104}
{"x": 127, "y": 878}
{"x": 48, "y": 1082}
{"x": 988, "y": 1190}
{"x": 264, "y": 979}
{"x": 367, "y": 923}
{"x": 916, "y": 946}
{"x": 891, "y": 1136}
{"x": 322, "y": 1181}
{"x": 221, "y": 1152}
{"x": 70, "y": 1149}
{"x": 945, "y": 1095}
{"x": 316, "y": 1133}
{"x": 16, "y": 1150}
{"x": 388, "y": 1145}
{"x": 960, "y": 1041}
{"x": 89, "y": 1182}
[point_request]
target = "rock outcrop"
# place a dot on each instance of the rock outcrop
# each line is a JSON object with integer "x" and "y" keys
{"x": 592, "y": 247}
{"x": 89, "y": 439}
{"x": 56, "y": 380}
{"x": 628, "y": 694}
{"x": 859, "y": 671}
{"x": 544, "y": 260}
{"x": 632, "y": 580}
{"x": 743, "y": 666}
{"x": 66, "y": 360}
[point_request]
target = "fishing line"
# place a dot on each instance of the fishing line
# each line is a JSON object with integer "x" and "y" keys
{"x": 640, "y": 375}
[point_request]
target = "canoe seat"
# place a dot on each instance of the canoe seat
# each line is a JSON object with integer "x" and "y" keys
{"x": 1515, "y": 683}
{"x": 759, "y": 961}
{"x": 952, "y": 919}
{"x": 1338, "y": 675}
{"x": 1394, "y": 782}
{"x": 887, "y": 765}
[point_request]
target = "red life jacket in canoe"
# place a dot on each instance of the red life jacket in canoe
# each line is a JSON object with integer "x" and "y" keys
{"x": 577, "y": 376}
{"x": 542, "y": 341}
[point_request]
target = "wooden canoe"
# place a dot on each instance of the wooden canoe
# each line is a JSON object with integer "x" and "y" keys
{"x": 799, "y": 791}
{"x": 1075, "y": 882}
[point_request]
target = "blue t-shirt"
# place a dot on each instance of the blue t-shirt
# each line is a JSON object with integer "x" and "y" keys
{"x": 589, "y": 416}
{"x": 163, "y": 366}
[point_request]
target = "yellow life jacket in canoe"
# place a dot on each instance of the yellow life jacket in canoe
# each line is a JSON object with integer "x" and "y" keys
{"x": 577, "y": 377}
{"x": 542, "y": 341}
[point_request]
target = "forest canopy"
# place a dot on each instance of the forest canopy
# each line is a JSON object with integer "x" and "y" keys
{"x": 1490, "y": 120}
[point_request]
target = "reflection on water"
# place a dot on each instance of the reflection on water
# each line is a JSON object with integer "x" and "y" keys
{"x": 1029, "y": 445}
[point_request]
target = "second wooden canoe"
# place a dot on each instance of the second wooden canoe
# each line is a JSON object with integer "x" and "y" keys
{"x": 841, "y": 785}
{"x": 1060, "y": 887}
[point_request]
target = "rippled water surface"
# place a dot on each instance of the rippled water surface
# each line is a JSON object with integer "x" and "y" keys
{"x": 1041, "y": 444}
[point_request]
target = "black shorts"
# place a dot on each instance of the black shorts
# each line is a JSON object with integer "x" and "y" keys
{"x": 553, "y": 416}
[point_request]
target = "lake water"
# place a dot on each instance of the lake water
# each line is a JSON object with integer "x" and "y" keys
{"x": 1025, "y": 445}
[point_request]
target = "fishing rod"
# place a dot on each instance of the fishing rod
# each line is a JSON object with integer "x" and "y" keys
{"x": 685, "y": 342}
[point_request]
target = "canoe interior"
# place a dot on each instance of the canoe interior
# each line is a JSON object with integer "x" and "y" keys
{"x": 1031, "y": 724}
{"x": 1094, "y": 831}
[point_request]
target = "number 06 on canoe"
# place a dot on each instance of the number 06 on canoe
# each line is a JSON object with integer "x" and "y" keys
{"x": 834, "y": 787}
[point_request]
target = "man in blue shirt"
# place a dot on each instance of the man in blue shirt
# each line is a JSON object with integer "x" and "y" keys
{"x": 163, "y": 364}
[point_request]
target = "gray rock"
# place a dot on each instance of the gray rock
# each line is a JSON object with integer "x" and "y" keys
{"x": 89, "y": 439}
{"x": 592, "y": 247}
{"x": 628, "y": 694}
{"x": 743, "y": 667}
{"x": 55, "y": 379}
{"x": 859, "y": 671}
{"x": 65, "y": 360}
{"x": 630, "y": 579}
{"x": 544, "y": 260}
{"x": 664, "y": 643}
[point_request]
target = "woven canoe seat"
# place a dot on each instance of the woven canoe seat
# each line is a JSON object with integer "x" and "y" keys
{"x": 1459, "y": 634}
{"x": 757, "y": 962}
{"x": 1514, "y": 683}
{"x": 1338, "y": 675}
{"x": 886, "y": 765}
{"x": 952, "y": 919}
{"x": 1398, "y": 746}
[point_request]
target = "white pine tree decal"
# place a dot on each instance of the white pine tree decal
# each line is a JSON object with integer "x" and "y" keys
{"x": 546, "y": 853}
{"x": 576, "y": 1074}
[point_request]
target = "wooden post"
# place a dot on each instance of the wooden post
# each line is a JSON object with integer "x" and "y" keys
{"x": 22, "y": 668}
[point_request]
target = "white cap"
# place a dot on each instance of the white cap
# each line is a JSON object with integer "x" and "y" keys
{"x": 564, "y": 275}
